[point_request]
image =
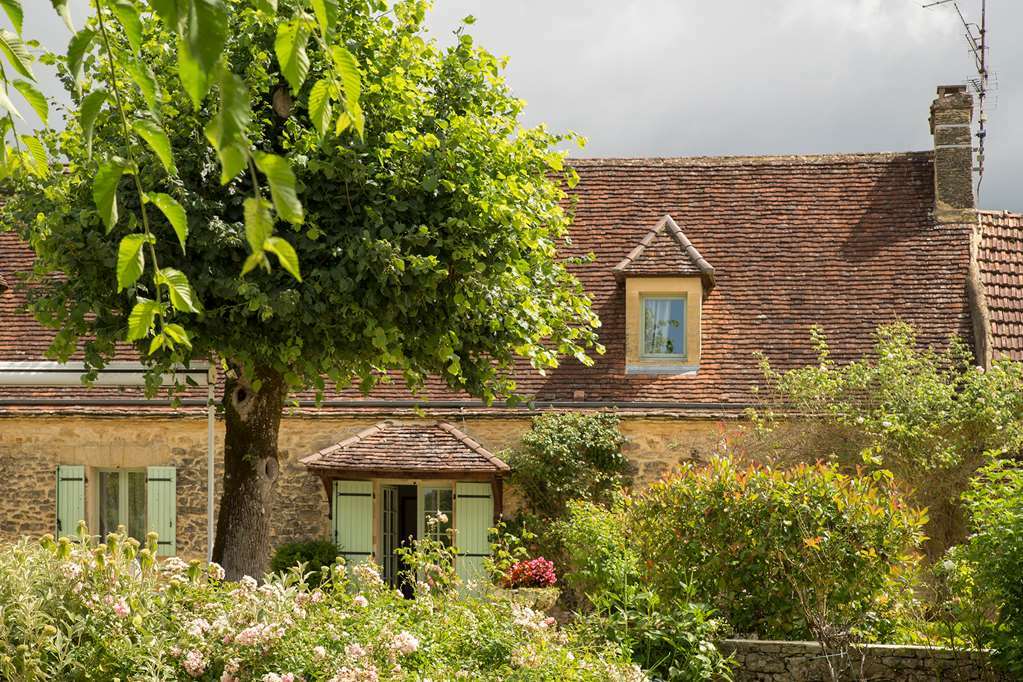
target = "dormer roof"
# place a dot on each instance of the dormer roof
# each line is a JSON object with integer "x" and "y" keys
{"x": 665, "y": 251}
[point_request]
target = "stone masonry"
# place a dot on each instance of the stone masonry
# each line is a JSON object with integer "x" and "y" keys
{"x": 767, "y": 661}
{"x": 32, "y": 447}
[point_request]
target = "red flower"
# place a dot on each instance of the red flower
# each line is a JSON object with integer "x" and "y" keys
{"x": 538, "y": 572}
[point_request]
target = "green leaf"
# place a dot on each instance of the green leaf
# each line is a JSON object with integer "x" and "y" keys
{"x": 175, "y": 215}
{"x": 157, "y": 343}
{"x": 61, "y": 7}
{"x": 226, "y": 130}
{"x": 35, "y": 99}
{"x": 14, "y": 12}
{"x": 92, "y": 104}
{"x": 253, "y": 261}
{"x": 194, "y": 78}
{"x": 141, "y": 318}
{"x": 285, "y": 253}
{"x": 201, "y": 45}
{"x": 320, "y": 110}
{"x": 16, "y": 53}
{"x": 158, "y": 141}
{"x": 174, "y": 13}
{"x": 351, "y": 80}
{"x": 282, "y": 186}
{"x": 8, "y": 105}
{"x": 326, "y": 14}
{"x": 76, "y": 51}
{"x": 40, "y": 163}
{"x": 104, "y": 190}
{"x": 292, "y": 57}
{"x": 131, "y": 259}
{"x": 128, "y": 14}
{"x": 259, "y": 224}
{"x": 181, "y": 295}
{"x": 144, "y": 78}
{"x": 177, "y": 332}
{"x": 267, "y": 6}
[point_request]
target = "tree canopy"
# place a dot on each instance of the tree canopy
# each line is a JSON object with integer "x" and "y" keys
{"x": 423, "y": 219}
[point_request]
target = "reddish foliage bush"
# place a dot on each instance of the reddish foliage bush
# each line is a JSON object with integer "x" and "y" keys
{"x": 538, "y": 572}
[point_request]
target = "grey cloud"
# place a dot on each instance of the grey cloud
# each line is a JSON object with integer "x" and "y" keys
{"x": 691, "y": 77}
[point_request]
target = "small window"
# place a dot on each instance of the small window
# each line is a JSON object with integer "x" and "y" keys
{"x": 122, "y": 502}
{"x": 437, "y": 508}
{"x": 664, "y": 326}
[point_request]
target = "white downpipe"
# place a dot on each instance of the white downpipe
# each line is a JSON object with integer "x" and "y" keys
{"x": 210, "y": 460}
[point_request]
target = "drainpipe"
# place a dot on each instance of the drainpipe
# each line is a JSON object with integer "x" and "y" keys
{"x": 211, "y": 418}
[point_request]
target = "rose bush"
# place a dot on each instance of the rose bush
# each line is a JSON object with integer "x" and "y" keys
{"x": 73, "y": 610}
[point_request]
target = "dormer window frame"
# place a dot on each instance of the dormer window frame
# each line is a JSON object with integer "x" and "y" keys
{"x": 682, "y": 298}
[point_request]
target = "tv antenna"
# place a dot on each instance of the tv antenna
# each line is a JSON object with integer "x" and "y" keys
{"x": 976, "y": 38}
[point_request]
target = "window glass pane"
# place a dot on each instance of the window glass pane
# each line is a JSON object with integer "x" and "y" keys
{"x": 136, "y": 521}
{"x": 109, "y": 501}
{"x": 437, "y": 507}
{"x": 663, "y": 326}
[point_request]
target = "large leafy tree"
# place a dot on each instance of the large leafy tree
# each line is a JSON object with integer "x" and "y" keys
{"x": 413, "y": 219}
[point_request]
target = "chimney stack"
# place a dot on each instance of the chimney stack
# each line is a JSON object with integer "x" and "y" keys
{"x": 951, "y": 126}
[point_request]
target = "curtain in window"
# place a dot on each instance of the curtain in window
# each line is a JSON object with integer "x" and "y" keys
{"x": 663, "y": 326}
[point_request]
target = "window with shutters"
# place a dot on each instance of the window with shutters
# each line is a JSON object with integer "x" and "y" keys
{"x": 122, "y": 502}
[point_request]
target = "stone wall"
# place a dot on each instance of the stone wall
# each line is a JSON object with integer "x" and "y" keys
{"x": 764, "y": 661}
{"x": 31, "y": 449}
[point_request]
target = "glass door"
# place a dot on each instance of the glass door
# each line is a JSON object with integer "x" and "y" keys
{"x": 389, "y": 533}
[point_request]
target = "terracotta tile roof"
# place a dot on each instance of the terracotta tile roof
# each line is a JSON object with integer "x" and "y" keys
{"x": 407, "y": 449}
{"x": 665, "y": 250}
{"x": 1001, "y": 269}
{"x": 847, "y": 242}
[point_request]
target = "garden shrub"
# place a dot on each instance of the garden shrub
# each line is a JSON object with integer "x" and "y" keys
{"x": 806, "y": 552}
{"x": 313, "y": 555}
{"x": 568, "y": 456}
{"x": 599, "y": 558}
{"x": 73, "y": 611}
{"x": 987, "y": 571}
{"x": 672, "y": 638}
{"x": 928, "y": 415}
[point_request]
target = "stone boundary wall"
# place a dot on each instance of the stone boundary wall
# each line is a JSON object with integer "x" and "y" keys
{"x": 769, "y": 661}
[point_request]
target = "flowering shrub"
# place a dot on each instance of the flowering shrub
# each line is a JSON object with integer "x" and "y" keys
{"x": 69, "y": 610}
{"x": 538, "y": 572}
{"x": 783, "y": 554}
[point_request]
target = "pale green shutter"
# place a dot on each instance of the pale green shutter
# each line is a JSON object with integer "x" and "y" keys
{"x": 162, "y": 506}
{"x": 353, "y": 520}
{"x": 70, "y": 499}
{"x": 474, "y": 517}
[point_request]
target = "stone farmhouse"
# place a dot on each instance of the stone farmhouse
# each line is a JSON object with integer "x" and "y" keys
{"x": 698, "y": 264}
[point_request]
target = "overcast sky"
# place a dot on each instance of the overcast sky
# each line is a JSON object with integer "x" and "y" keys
{"x": 691, "y": 77}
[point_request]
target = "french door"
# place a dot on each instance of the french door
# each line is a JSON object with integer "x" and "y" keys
{"x": 389, "y": 533}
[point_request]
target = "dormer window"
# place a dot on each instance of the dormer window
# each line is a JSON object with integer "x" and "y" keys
{"x": 666, "y": 280}
{"x": 663, "y": 326}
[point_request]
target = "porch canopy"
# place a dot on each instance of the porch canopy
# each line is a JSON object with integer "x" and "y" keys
{"x": 414, "y": 450}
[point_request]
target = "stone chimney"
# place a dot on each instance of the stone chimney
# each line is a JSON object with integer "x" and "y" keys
{"x": 951, "y": 126}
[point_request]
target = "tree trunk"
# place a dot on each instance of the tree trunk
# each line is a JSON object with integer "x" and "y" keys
{"x": 252, "y": 422}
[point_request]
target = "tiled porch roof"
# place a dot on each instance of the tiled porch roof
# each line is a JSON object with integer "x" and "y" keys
{"x": 406, "y": 450}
